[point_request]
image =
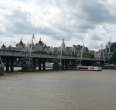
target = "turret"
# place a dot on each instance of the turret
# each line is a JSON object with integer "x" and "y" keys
{"x": 63, "y": 44}
{"x": 20, "y": 45}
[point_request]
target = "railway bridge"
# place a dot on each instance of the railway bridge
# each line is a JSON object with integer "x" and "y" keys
{"x": 33, "y": 61}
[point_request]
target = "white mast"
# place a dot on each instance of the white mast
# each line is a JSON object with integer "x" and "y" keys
{"x": 81, "y": 56}
{"x": 61, "y": 49}
{"x": 31, "y": 45}
{"x": 109, "y": 49}
{"x": 33, "y": 37}
{"x": 100, "y": 55}
{"x": 103, "y": 54}
{"x": 30, "y": 48}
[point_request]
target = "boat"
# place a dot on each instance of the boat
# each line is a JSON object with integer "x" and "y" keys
{"x": 89, "y": 68}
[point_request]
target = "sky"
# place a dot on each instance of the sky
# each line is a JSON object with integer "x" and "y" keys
{"x": 88, "y": 22}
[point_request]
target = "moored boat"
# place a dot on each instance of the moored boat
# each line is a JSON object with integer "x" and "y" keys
{"x": 89, "y": 68}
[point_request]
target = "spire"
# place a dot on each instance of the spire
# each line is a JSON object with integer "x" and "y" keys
{"x": 20, "y": 44}
{"x": 33, "y": 37}
{"x": 63, "y": 43}
{"x": 3, "y": 46}
{"x": 40, "y": 39}
{"x": 21, "y": 39}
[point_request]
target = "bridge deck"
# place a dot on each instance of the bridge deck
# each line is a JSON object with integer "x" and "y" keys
{"x": 22, "y": 53}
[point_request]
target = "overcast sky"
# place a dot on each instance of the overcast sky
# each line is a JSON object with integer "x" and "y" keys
{"x": 90, "y": 21}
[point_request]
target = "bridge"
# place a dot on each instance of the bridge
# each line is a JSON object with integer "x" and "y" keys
{"x": 12, "y": 57}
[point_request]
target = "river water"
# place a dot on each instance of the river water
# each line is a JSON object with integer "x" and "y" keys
{"x": 68, "y": 90}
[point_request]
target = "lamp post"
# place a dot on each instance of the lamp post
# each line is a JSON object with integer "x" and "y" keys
{"x": 61, "y": 55}
{"x": 30, "y": 50}
{"x": 81, "y": 56}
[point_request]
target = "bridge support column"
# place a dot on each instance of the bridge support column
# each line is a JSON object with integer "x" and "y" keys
{"x": 34, "y": 64}
{"x": 39, "y": 65}
{"x": 63, "y": 65}
{"x": 44, "y": 65}
{"x": 7, "y": 68}
{"x": 12, "y": 65}
{"x": 56, "y": 66}
{"x": 12, "y": 68}
{"x": 74, "y": 65}
{"x": 7, "y": 65}
{"x": 66, "y": 64}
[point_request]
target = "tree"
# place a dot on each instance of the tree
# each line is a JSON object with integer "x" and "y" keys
{"x": 113, "y": 58}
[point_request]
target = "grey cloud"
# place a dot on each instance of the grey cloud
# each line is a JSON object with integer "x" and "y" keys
{"x": 96, "y": 12}
{"x": 19, "y": 23}
{"x": 96, "y": 37}
{"x": 80, "y": 17}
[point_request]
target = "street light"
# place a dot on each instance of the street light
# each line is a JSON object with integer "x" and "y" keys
{"x": 82, "y": 50}
{"x": 61, "y": 49}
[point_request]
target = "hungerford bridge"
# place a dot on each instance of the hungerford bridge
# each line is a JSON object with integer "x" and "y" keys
{"x": 26, "y": 60}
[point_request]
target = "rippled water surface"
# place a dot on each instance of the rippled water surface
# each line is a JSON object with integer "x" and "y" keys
{"x": 69, "y": 90}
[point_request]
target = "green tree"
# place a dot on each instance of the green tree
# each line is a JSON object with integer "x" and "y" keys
{"x": 114, "y": 57}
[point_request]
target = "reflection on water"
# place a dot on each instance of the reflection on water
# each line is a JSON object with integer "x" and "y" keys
{"x": 69, "y": 90}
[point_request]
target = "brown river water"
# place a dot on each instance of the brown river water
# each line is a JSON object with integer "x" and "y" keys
{"x": 68, "y": 90}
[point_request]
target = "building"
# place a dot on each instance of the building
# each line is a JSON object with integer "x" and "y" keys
{"x": 40, "y": 47}
{"x": 108, "y": 51}
{"x": 21, "y": 45}
{"x": 3, "y": 47}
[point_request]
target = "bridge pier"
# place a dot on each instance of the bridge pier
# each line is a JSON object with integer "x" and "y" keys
{"x": 7, "y": 68}
{"x": 7, "y": 65}
{"x": 63, "y": 65}
{"x": 34, "y": 64}
{"x": 11, "y": 68}
{"x": 66, "y": 64}
{"x": 12, "y": 65}
{"x": 44, "y": 65}
{"x": 39, "y": 65}
{"x": 56, "y": 66}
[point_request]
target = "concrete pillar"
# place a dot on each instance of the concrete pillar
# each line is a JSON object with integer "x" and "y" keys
{"x": 56, "y": 66}
{"x": 12, "y": 68}
{"x": 23, "y": 65}
{"x": 34, "y": 64}
{"x": 11, "y": 65}
{"x": 63, "y": 65}
{"x": 7, "y": 65}
{"x": 7, "y": 68}
{"x": 66, "y": 64}
{"x": 74, "y": 64}
{"x": 39, "y": 65}
{"x": 44, "y": 65}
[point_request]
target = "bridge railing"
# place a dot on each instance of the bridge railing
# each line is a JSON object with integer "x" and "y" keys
{"x": 9, "y": 52}
{"x": 23, "y": 53}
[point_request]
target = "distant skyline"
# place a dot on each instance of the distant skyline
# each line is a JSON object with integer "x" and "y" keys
{"x": 76, "y": 21}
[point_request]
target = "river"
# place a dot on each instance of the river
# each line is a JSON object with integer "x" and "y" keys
{"x": 68, "y": 90}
